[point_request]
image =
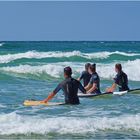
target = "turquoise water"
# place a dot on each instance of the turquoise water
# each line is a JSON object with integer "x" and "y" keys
{"x": 30, "y": 70}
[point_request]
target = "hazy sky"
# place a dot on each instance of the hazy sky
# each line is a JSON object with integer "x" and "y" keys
{"x": 69, "y": 20}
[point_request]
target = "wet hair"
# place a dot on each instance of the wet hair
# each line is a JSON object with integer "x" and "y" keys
{"x": 68, "y": 71}
{"x": 87, "y": 66}
{"x": 92, "y": 67}
{"x": 118, "y": 67}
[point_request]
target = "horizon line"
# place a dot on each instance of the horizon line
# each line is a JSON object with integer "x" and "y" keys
{"x": 69, "y": 41}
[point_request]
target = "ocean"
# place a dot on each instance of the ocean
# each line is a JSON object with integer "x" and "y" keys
{"x": 32, "y": 69}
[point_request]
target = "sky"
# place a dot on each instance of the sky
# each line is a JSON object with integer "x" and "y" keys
{"x": 69, "y": 21}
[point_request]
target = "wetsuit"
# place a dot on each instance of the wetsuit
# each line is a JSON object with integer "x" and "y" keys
{"x": 70, "y": 88}
{"x": 95, "y": 79}
{"x": 86, "y": 78}
{"x": 122, "y": 81}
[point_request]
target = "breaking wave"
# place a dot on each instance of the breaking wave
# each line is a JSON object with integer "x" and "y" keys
{"x": 58, "y": 54}
{"x": 55, "y": 70}
{"x": 17, "y": 124}
{"x": 1, "y": 44}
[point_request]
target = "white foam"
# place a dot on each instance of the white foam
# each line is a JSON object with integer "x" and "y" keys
{"x": 17, "y": 124}
{"x": 106, "y": 71}
{"x": 2, "y": 106}
{"x": 53, "y": 69}
{"x": 131, "y": 68}
{"x": 39, "y": 55}
{"x": 1, "y": 44}
{"x": 36, "y": 70}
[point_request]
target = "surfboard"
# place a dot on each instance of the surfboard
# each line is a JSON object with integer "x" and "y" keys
{"x": 101, "y": 94}
{"x": 134, "y": 91}
{"x": 89, "y": 95}
{"x": 120, "y": 93}
{"x": 37, "y": 103}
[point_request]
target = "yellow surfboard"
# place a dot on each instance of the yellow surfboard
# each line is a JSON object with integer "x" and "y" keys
{"x": 37, "y": 103}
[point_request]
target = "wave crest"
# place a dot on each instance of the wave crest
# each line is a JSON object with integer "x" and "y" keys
{"x": 55, "y": 70}
{"x": 39, "y": 55}
{"x": 1, "y": 44}
{"x": 17, "y": 124}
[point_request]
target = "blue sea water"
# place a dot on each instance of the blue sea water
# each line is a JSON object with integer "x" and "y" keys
{"x": 30, "y": 70}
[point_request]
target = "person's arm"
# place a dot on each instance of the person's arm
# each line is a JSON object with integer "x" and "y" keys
{"x": 78, "y": 79}
{"x": 81, "y": 77}
{"x": 94, "y": 86}
{"x": 114, "y": 85}
{"x": 88, "y": 87}
{"x": 112, "y": 88}
{"x": 82, "y": 89}
{"x": 52, "y": 94}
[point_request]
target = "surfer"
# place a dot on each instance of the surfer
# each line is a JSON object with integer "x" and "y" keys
{"x": 70, "y": 88}
{"x": 94, "y": 83}
{"x": 120, "y": 80}
{"x": 85, "y": 75}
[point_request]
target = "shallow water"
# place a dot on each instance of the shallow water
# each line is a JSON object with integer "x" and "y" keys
{"x": 30, "y": 70}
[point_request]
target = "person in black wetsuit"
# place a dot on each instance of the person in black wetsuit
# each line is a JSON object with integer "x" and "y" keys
{"x": 94, "y": 83}
{"x": 120, "y": 80}
{"x": 70, "y": 88}
{"x": 85, "y": 76}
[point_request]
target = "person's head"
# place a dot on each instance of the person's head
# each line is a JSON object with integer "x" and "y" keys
{"x": 92, "y": 68}
{"x": 118, "y": 67}
{"x": 67, "y": 72}
{"x": 87, "y": 66}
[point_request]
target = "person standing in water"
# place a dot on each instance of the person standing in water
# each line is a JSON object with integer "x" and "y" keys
{"x": 70, "y": 88}
{"x": 85, "y": 76}
{"x": 94, "y": 83}
{"x": 120, "y": 80}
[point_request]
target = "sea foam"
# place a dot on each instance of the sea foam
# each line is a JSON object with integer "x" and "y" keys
{"x": 106, "y": 71}
{"x": 58, "y": 54}
{"x": 21, "y": 124}
{"x": 1, "y": 44}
